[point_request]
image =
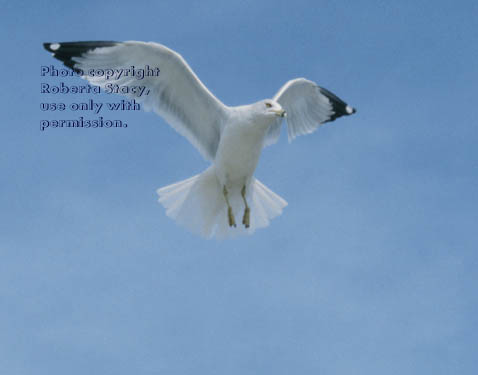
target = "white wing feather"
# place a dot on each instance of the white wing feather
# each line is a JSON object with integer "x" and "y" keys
{"x": 176, "y": 94}
{"x": 308, "y": 106}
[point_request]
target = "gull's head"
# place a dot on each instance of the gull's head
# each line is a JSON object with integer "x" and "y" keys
{"x": 272, "y": 109}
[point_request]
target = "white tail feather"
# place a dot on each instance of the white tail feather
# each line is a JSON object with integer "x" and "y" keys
{"x": 198, "y": 204}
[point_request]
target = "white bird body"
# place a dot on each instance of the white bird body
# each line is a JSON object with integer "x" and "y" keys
{"x": 240, "y": 147}
{"x": 231, "y": 138}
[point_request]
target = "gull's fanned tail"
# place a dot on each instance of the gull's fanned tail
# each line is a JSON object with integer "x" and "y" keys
{"x": 198, "y": 204}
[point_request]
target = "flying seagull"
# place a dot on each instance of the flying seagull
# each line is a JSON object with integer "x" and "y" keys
{"x": 231, "y": 138}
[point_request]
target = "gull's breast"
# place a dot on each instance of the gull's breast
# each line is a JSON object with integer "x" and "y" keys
{"x": 238, "y": 152}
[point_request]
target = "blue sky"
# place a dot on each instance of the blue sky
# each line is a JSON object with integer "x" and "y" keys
{"x": 371, "y": 269}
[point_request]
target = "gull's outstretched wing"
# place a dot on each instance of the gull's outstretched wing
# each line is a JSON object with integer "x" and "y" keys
{"x": 176, "y": 94}
{"x": 307, "y": 105}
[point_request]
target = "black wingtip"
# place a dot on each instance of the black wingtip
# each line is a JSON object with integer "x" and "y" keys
{"x": 339, "y": 107}
{"x": 350, "y": 110}
{"x": 66, "y": 51}
{"x": 51, "y": 47}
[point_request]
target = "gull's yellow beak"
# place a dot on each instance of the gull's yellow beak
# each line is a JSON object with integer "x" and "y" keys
{"x": 281, "y": 113}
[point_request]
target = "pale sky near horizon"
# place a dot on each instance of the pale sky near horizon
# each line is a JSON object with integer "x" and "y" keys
{"x": 371, "y": 269}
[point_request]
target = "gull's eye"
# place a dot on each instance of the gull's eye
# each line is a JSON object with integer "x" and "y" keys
{"x": 268, "y": 105}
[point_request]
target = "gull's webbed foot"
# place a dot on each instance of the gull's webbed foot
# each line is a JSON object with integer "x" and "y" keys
{"x": 232, "y": 221}
{"x": 246, "y": 217}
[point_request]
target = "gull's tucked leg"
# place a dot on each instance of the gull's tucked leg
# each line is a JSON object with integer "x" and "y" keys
{"x": 247, "y": 211}
{"x": 232, "y": 221}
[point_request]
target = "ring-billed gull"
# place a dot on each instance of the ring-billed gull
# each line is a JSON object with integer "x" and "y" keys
{"x": 232, "y": 138}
